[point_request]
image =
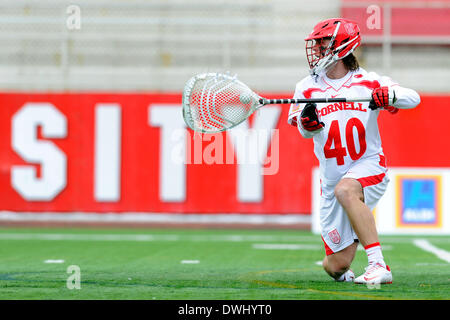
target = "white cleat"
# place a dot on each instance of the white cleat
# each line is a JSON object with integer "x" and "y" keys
{"x": 348, "y": 276}
{"x": 375, "y": 274}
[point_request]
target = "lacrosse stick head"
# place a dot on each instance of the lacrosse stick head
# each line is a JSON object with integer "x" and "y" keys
{"x": 215, "y": 102}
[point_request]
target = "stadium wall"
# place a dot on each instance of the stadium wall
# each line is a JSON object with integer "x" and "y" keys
{"x": 103, "y": 154}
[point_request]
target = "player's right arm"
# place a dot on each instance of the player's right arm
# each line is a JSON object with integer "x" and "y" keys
{"x": 308, "y": 127}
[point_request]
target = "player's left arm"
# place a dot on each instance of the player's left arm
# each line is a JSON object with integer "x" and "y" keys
{"x": 403, "y": 98}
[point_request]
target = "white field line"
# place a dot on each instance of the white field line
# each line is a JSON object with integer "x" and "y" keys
{"x": 407, "y": 239}
{"x": 153, "y": 237}
{"x": 54, "y": 261}
{"x": 431, "y": 264}
{"x": 85, "y": 237}
{"x": 298, "y": 240}
{"x": 384, "y": 247}
{"x": 427, "y": 246}
{"x": 127, "y": 217}
{"x": 286, "y": 246}
{"x": 190, "y": 261}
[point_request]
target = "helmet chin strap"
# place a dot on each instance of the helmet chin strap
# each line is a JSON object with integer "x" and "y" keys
{"x": 324, "y": 65}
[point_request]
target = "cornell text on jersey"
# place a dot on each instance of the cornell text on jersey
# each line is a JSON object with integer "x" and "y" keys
{"x": 341, "y": 106}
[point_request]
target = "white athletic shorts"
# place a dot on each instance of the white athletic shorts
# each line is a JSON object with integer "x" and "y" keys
{"x": 337, "y": 232}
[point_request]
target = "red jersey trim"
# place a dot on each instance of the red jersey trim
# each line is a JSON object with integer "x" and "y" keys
{"x": 342, "y": 85}
{"x": 308, "y": 92}
{"x": 365, "y": 83}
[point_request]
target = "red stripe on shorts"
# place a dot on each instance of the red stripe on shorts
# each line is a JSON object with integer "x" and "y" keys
{"x": 328, "y": 251}
{"x": 382, "y": 161}
{"x": 372, "y": 180}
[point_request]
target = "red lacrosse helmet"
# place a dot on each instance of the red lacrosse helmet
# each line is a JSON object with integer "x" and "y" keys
{"x": 344, "y": 38}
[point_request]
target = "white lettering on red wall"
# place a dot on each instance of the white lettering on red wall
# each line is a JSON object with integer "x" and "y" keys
{"x": 88, "y": 152}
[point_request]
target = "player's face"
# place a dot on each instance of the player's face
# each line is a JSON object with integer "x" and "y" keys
{"x": 320, "y": 46}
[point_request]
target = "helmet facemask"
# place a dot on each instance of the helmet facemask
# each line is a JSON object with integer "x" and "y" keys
{"x": 320, "y": 57}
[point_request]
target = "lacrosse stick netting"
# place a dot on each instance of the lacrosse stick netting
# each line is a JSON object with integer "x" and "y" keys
{"x": 214, "y": 102}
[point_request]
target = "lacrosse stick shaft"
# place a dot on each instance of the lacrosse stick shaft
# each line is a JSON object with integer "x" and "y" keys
{"x": 264, "y": 101}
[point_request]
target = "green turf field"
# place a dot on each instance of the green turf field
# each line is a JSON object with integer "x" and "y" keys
{"x": 165, "y": 264}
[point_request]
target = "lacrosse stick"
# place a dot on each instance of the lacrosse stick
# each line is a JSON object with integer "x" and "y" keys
{"x": 215, "y": 102}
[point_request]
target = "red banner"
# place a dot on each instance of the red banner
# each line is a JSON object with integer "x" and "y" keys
{"x": 89, "y": 152}
{"x": 407, "y": 18}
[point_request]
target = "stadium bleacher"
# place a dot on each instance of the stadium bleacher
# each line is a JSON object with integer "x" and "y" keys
{"x": 156, "y": 46}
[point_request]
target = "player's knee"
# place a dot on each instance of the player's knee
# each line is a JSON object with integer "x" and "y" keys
{"x": 343, "y": 193}
{"x": 336, "y": 267}
{"x": 340, "y": 267}
{"x": 346, "y": 191}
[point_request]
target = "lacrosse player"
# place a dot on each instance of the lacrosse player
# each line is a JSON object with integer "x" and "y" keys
{"x": 347, "y": 144}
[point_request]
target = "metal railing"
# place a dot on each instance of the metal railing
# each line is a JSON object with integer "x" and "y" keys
{"x": 156, "y": 45}
{"x": 387, "y": 39}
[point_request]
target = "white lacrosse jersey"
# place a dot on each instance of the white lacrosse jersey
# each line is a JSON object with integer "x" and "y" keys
{"x": 351, "y": 129}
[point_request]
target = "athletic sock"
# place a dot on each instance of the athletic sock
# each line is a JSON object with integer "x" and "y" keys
{"x": 374, "y": 254}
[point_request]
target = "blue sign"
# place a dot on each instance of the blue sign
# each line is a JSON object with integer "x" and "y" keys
{"x": 419, "y": 201}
